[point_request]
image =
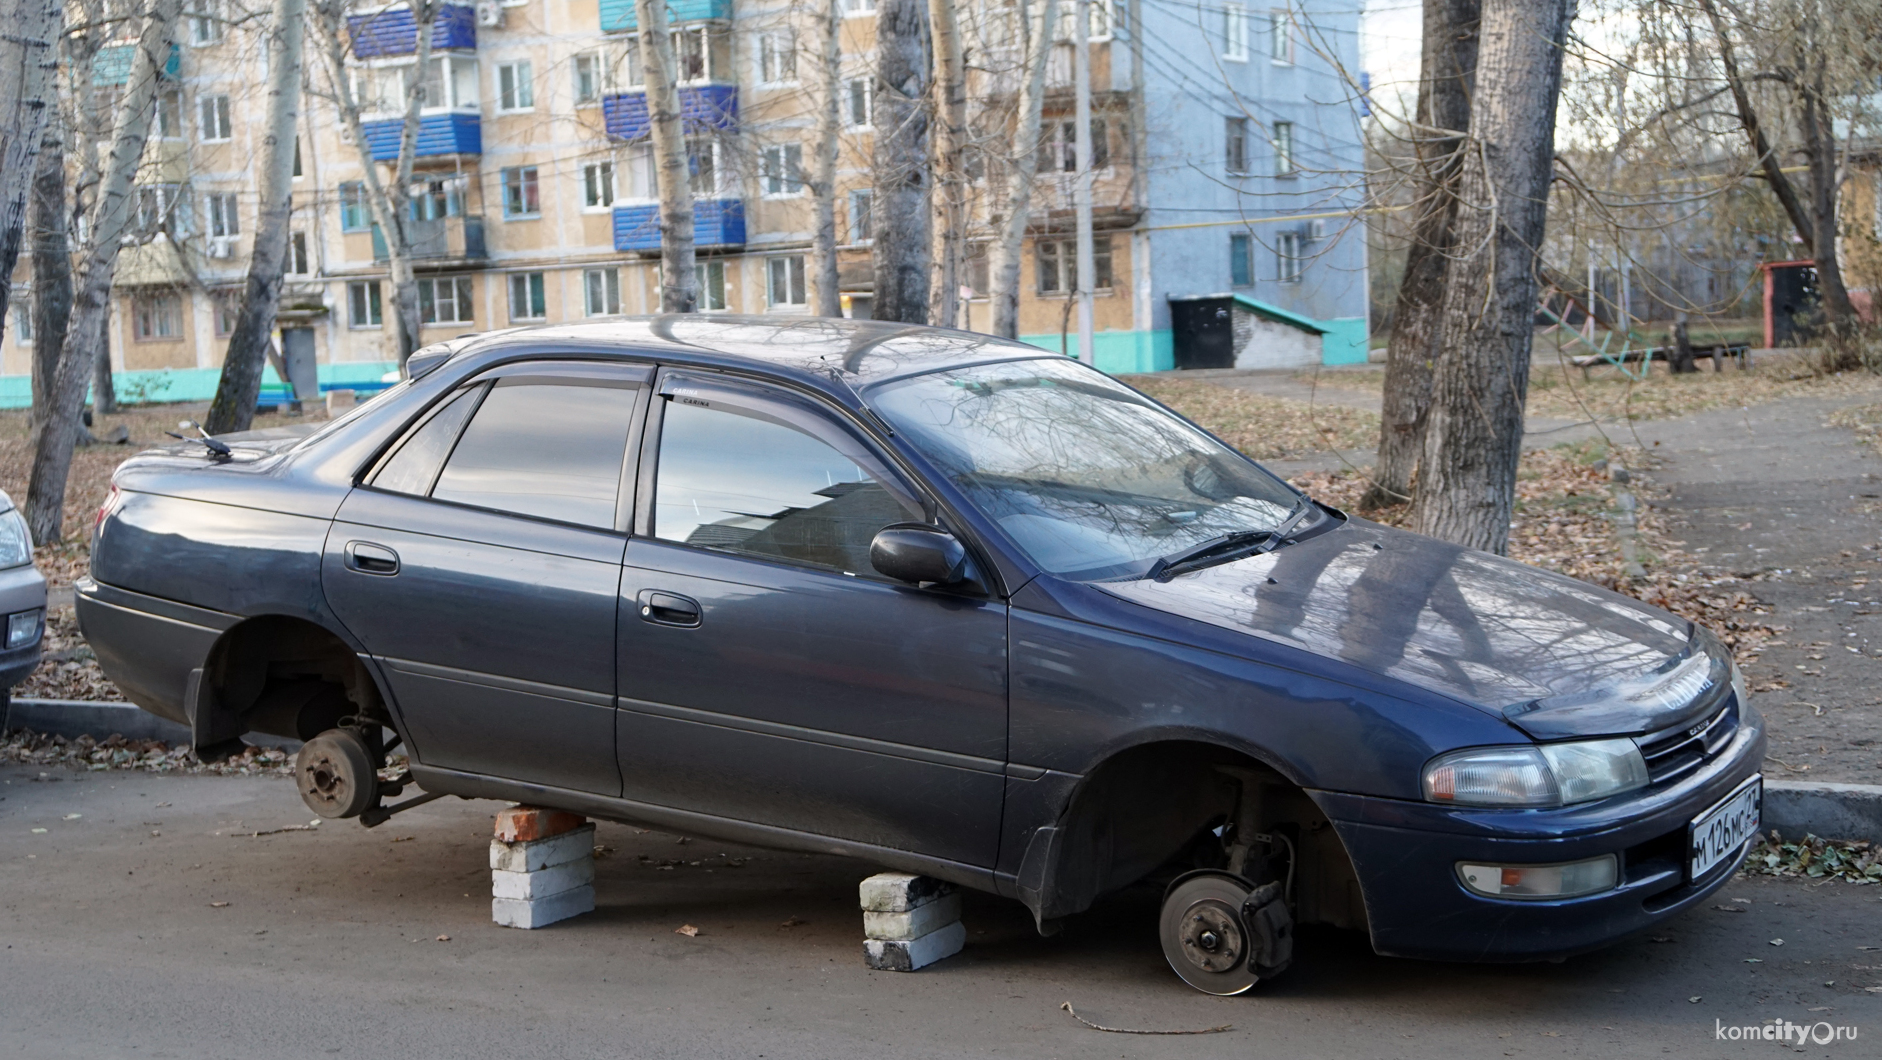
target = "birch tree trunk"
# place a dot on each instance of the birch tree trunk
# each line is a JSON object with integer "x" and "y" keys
{"x": 28, "y": 61}
{"x": 1449, "y": 67}
{"x": 679, "y": 282}
{"x": 827, "y": 300}
{"x": 950, "y": 206}
{"x": 904, "y": 192}
{"x": 52, "y": 267}
{"x": 110, "y": 216}
{"x": 1819, "y": 135}
{"x": 234, "y": 406}
{"x": 1473, "y": 440}
{"x": 1035, "y": 27}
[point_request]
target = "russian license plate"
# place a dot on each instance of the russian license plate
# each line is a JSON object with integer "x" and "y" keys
{"x": 1719, "y": 832}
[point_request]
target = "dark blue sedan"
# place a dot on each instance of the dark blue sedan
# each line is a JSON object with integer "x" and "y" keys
{"x": 943, "y": 603}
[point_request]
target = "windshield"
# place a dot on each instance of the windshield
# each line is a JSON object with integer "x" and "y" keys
{"x": 1087, "y": 476}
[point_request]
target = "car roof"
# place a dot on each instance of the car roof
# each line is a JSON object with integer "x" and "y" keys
{"x": 870, "y": 351}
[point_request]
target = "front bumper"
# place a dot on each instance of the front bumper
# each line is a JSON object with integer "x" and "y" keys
{"x": 22, "y": 588}
{"x": 1406, "y": 853}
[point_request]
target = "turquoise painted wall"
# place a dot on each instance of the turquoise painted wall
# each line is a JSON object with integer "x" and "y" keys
{"x": 1118, "y": 352}
{"x": 1345, "y": 341}
{"x": 192, "y": 384}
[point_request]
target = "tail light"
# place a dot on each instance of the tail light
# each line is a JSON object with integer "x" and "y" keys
{"x": 113, "y": 500}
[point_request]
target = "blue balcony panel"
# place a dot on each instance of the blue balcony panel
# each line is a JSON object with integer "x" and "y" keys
{"x": 438, "y": 134}
{"x": 702, "y": 109}
{"x": 394, "y": 32}
{"x": 716, "y": 223}
{"x": 622, "y": 15}
{"x": 112, "y": 65}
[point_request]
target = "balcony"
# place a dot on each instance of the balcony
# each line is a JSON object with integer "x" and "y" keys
{"x": 441, "y": 133}
{"x": 703, "y": 108}
{"x": 716, "y": 223}
{"x": 442, "y": 239}
{"x": 393, "y": 32}
{"x": 112, "y": 65}
{"x": 619, "y": 15}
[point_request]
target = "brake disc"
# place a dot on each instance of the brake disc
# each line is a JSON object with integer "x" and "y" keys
{"x": 1203, "y": 935}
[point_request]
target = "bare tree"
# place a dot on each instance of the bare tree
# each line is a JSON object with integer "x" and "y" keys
{"x": 1448, "y": 68}
{"x": 950, "y": 199}
{"x": 234, "y": 406}
{"x": 109, "y": 217}
{"x": 1467, "y": 479}
{"x": 902, "y": 211}
{"x": 824, "y": 280}
{"x": 679, "y": 282}
{"x": 52, "y": 266}
{"x": 28, "y": 60}
{"x": 1034, "y": 26}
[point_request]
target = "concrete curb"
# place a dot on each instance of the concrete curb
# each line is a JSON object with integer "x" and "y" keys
{"x": 1825, "y": 810}
{"x": 72, "y": 718}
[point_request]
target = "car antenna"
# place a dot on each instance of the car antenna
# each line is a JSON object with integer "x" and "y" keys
{"x": 221, "y": 449}
{"x": 842, "y": 378}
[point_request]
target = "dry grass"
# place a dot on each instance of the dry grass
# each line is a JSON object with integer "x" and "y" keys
{"x": 1865, "y": 420}
{"x": 1266, "y": 428}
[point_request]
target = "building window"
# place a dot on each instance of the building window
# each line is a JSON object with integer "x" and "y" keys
{"x": 777, "y": 58}
{"x": 170, "y": 114}
{"x": 1241, "y": 260}
{"x": 862, "y": 220}
{"x": 223, "y": 219}
{"x": 700, "y": 54}
{"x": 156, "y": 317}
{"x": 354, "y": 215}
{"x": 161, "y": 207}
{"x": 783, "y": 170}
{"x": 297, "y": 159}
{"x": 702, "y": 160}
{"x": 979, "y": 272}
{"x": 363, "y": 309}
{"x": 213, "y": 118}
{"x": 598, "y": 185}
{"x": 785, "y": 276}
{"x": 1281, "y": 37}
{"x": 445, "y": 300}
{"x": 297, "y": 263}
{"x": 1235, "y": 33}
{"x": 601, "y": 291}
{"x": 224, "y": 308}
{"x": 1058, "y": 264}
{"x": 858, "y": 8}
{"x": 1058, "y": 146}
{"x": 637, "y": 172}
{"x": 858, "y": 103}
{"x": 1236, "y": 143}
{"x": 526, "y": 296}
{"x": 587, "y": 79}
{"x": 205, "y": 25}
{"x": 1284, "y": 148}
{"x": 521, "y": 195}
{"x": 711, "y": 278}
{"x": 22, "y": 310}
{"x": 515, "y": 87}
{"x": 1287, "y": 263}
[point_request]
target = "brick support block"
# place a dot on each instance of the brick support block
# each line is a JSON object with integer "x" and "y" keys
{"x": 910, "y": 954}
{"x": 899, "y": 892}
{"x": 578, "y": 845}
{"x": 521, "y": 824}
{"x": 541, "y": 912}
{"x": 919, "y": 921}
{"x": 543, "y": 883}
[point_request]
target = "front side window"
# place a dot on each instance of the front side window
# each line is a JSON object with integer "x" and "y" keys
{"x": 445, "y": 300}
{"x": 550, "y": 451}
{"x": 767, "y": 482}
{"x": 526, "y": 296}
{"x": 363, "y": 307}
{"x": 515, "y": 86}
{"x": 522, "y": 197}
{"x": 1089, "y": 478}
{"x": 601, "y": 290}
{"x": 785, "y": 280}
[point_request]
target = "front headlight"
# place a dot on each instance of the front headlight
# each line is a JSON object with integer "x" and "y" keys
{"x": 1556, "y": 774}
{"x": 16, "y": 543}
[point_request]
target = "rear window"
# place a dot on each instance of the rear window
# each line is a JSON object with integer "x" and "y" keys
{"x": 552, "y": 451}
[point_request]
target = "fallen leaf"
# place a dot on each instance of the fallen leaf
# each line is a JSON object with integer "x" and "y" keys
{"x": 686, "y": 929}
{"x": 39, "y": 831}
{"x": 218, "y": 905}
{"x": 444, "y": 938}
{"x": 794, "y": 922}
{"x": 1742, "y": 901}
{"x": 1695, "y": 999}
{"x": 1729, "y": 909}
{"x": 403, "y": 838}
{"x": 1777, "y": 942}
{"x": 73, "y": 816}
{"x": 1754, "y": 960}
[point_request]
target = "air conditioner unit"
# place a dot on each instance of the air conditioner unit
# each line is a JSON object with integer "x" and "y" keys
{"x": 221, "y": 247}
{"x": 489, "y": 13}
{"x": 1317, "y": 228}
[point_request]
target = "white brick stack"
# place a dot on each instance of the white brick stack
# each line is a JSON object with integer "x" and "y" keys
{"x": 909, "y": 922}
{"x": 542, "y": 867}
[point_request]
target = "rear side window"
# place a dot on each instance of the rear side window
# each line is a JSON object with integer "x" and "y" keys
{"x": 739, "y": 480}
{"x": 415, "y": 465}
{"x": 548, "y": 450}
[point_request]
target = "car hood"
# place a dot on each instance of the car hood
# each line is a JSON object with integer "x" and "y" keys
{"x": 1556, "y": 656}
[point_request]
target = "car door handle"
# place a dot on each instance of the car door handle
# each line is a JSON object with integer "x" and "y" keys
{"x": 668, "y": 609}
{"x": 368, "y": 558}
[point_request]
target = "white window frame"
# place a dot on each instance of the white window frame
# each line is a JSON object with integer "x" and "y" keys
{"x": 299, "y": 261}
{"x": 790, "y": 268}
{"x": 601, "y": 292}
{"x": 1234, "y": 33}
{"x": 598, "y": 187}
{"x": 158, "y": 318}
{"x": 868, "y": 236}
{"x": 1099, "y": 29}
{"x": 598, "y": 82}
{"x": 213, "y": 123}
{"x": 850, "y": 97}
{"x": 781, "y": 171}
{"x": 519, "y": 96}
{"x": 379, "y": 86}
{"x": 534, "y": 287}
{"x": 205, "y": 23}
{"x": 22, "y": 309}
{"x": 225, "y": 221}
{"x": 1286, "y": 162}
{"x": 710, "y": 275}
{"x": 1288, "y": 265}
{"x": 463, "y": 301}
{"x": 859, "y": 8}
{"x": 1281, "y": 37}
{"x": 503, "y": 183}
{"x": 169, "y": 113}
{"x": 370, "y": 298}
{"x": 776, "y": 58}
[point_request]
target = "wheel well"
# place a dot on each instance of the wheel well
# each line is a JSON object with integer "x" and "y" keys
{"x": 285, "y": 677}
{"x": 1159, "y": 809}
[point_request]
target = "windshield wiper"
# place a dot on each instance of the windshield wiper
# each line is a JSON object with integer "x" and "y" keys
{"x": 1224, "y": 547}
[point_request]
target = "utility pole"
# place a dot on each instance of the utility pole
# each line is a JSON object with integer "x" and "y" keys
{"x": 1081, "y": 187}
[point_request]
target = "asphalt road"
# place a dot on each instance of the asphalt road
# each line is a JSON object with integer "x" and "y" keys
{"x": 116, "y": 944}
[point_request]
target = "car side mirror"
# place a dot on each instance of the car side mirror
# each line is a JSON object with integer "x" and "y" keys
{"x": 916, "y": 552}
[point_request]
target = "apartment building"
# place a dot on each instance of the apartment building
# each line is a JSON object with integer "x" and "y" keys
{"x": 1225, "y": 149}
